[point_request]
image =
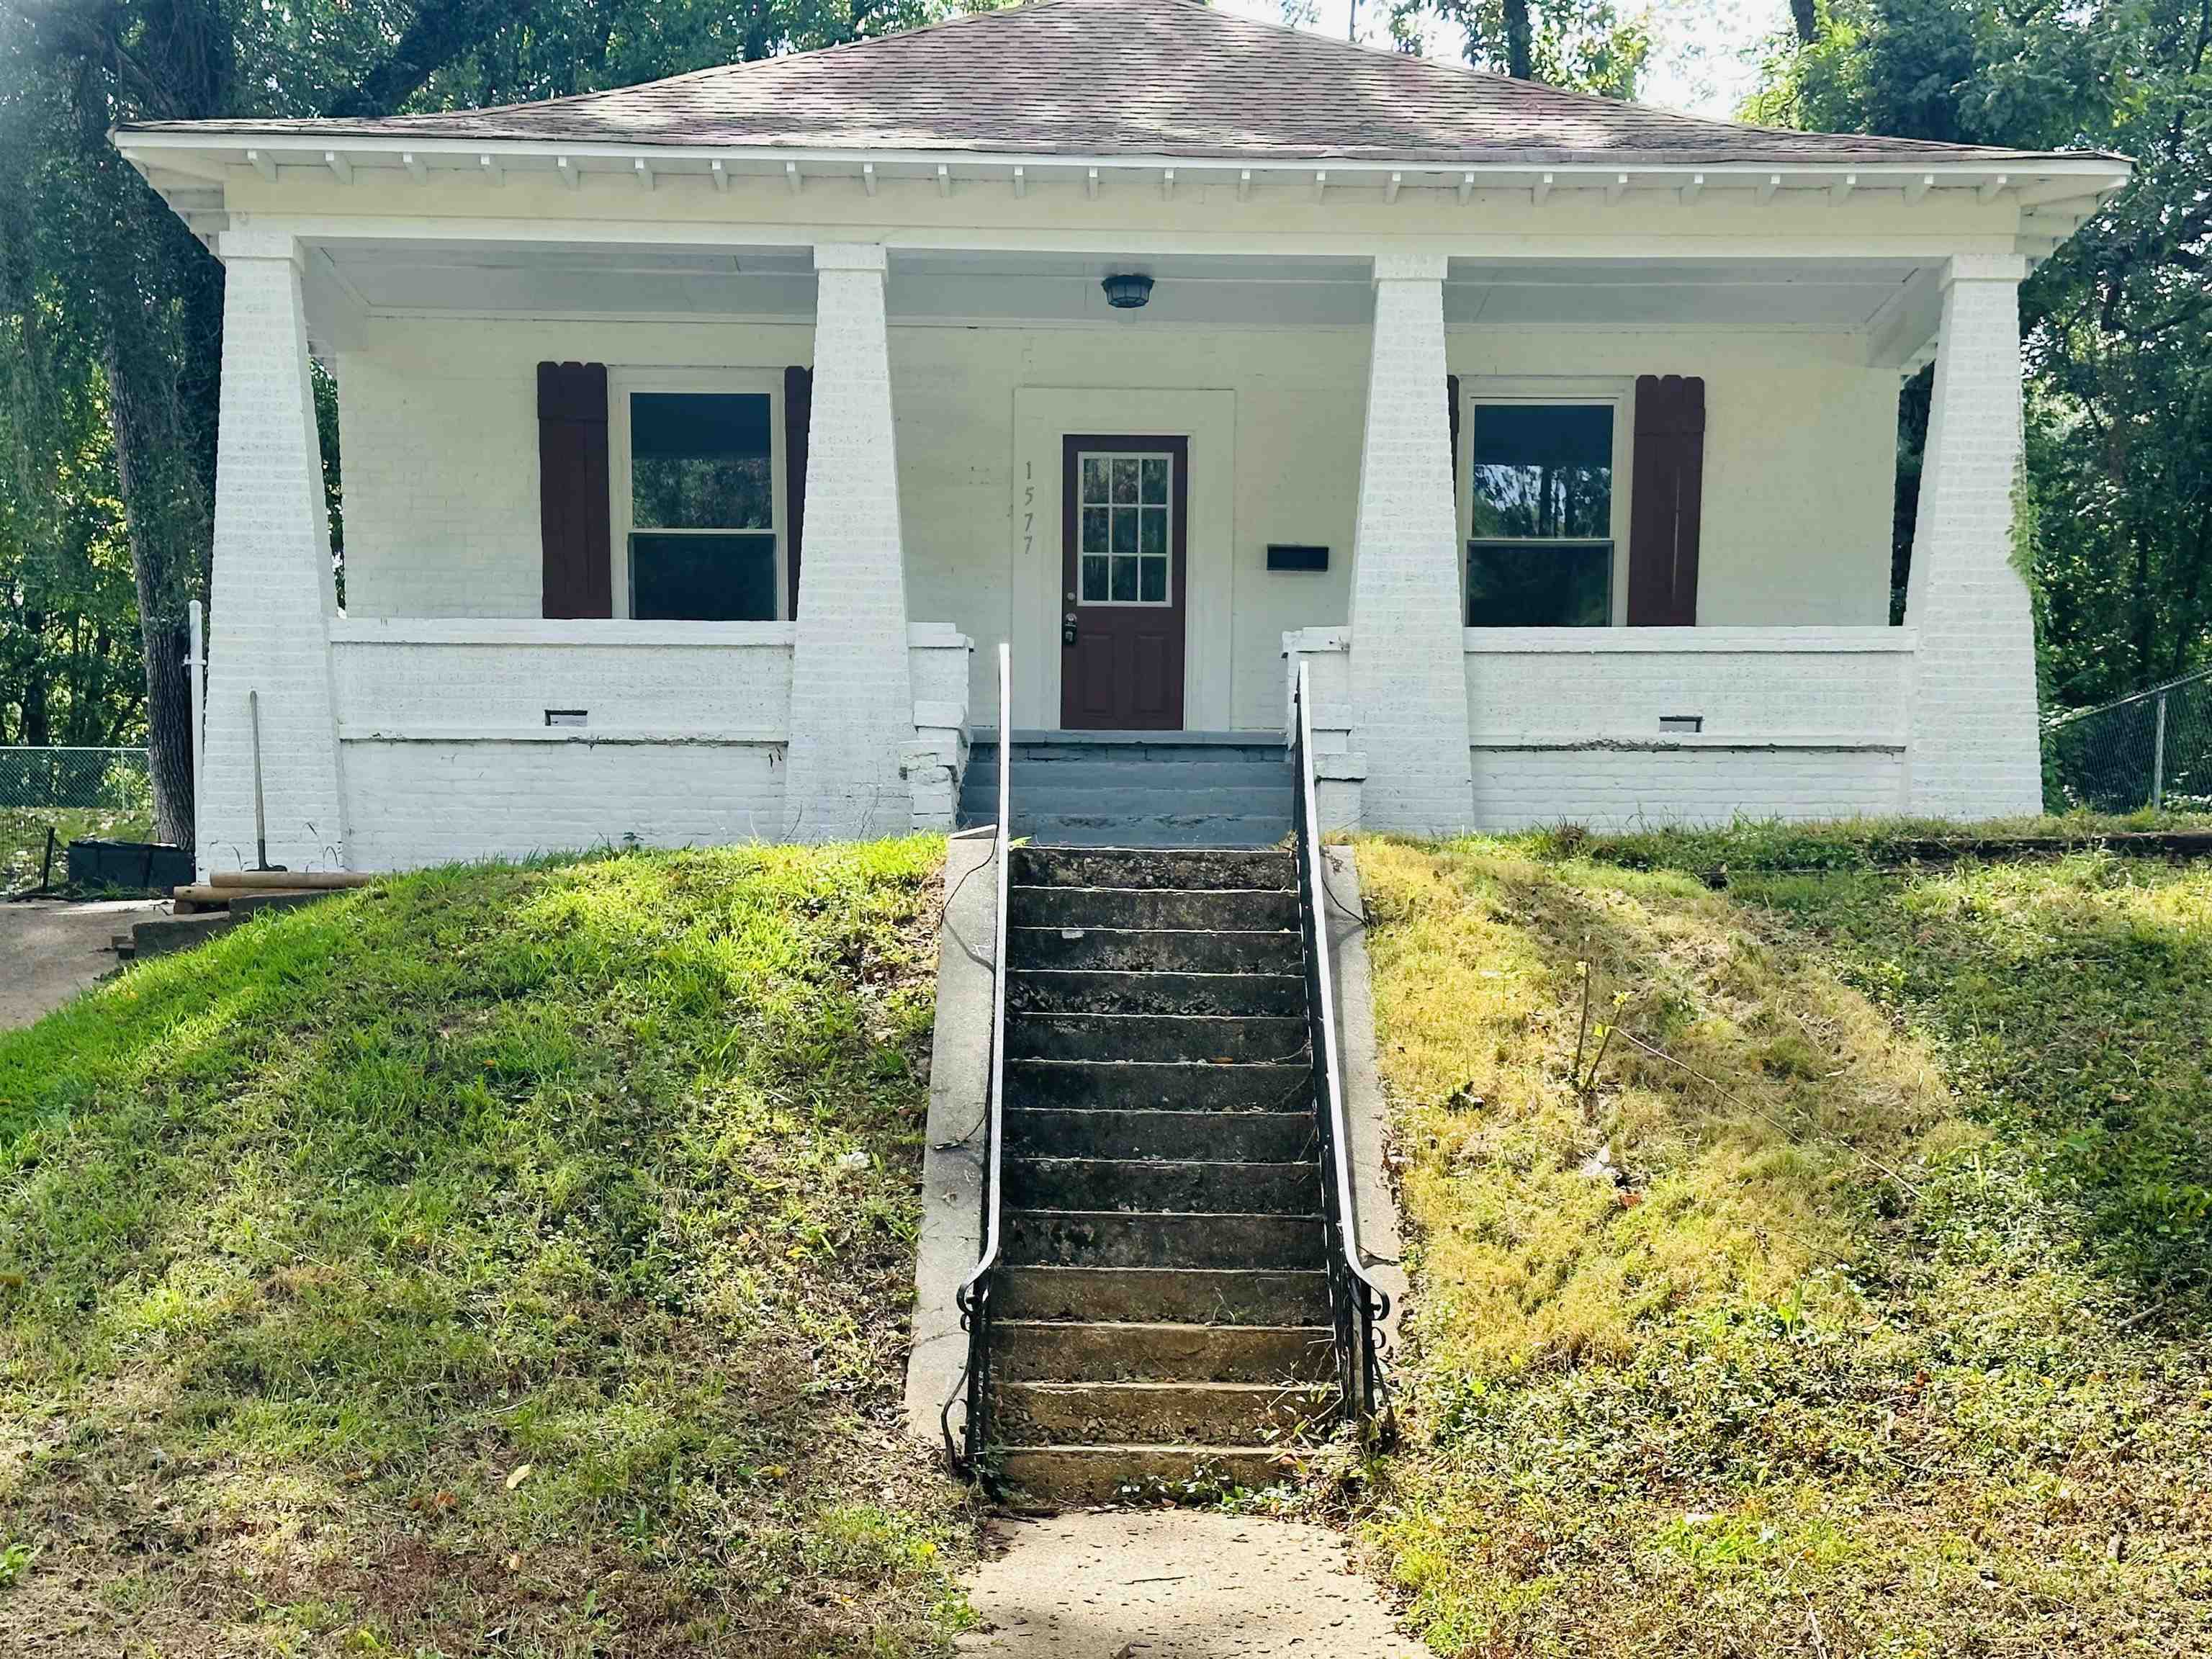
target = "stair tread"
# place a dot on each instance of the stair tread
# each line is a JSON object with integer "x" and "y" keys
{"x": 1173, "y": 1215}
{"x": 1157, "y": 1385}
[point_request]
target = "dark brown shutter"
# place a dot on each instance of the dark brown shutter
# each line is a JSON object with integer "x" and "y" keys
{"x": 798, "y": 416}
{"x": 1451, "y": 407}
{"x": 572, "y": 490}
{"x": 1665, "y": 495}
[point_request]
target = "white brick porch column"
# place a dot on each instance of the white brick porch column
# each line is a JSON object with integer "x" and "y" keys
{"x": 1974, "y": 751}
{"x": 1408, "y": 661}
{"x": 273, "y": 593}
{"x": 852, "y": 692}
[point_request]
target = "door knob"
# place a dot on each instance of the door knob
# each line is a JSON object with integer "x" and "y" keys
{"x": 1068, "y": 629}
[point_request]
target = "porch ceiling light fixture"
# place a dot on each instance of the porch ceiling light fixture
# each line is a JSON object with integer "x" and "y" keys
{"x": 1128, "y": 291}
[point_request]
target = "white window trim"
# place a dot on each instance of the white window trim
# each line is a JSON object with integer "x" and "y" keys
{"x": 621, "y": 383}
{"x": 1475, "y": 390}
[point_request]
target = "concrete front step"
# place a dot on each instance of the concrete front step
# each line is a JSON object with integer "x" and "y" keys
{"x": 1271, "y": 910}
{"x": 1107, "y": 1238}
{"x": 1057, "y": 1350}
{"x": 1214, "y": 1038}
{"x": 1141, "y": 1038}
{"x": 1132, "y": 950}
{"x": 1188, "y": 870}
{"x": 1156, "y": 1187}
{"x": 1134, "y": 798}
{"x": 1162, "y": 832}
{"x": 1158, "y": 1085}
{"x": 1188, "y": 1413}
{"x": 1194, "y": 1296}
{"x": 1120, "y": 991}
{"x": 1231, "y": 1137}
{"x": 1146, "y": 1475}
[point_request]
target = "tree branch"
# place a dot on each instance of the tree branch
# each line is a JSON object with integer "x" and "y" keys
{"x": 440, "y": 33}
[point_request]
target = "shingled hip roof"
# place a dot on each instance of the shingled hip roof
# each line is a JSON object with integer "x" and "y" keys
{"x": 1170, "y": 78}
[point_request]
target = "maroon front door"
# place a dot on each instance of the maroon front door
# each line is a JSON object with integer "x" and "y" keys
{"x": 1123, "y": 581}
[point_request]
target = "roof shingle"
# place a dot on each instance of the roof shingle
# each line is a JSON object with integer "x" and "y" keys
{"x": 1171, "y": 78}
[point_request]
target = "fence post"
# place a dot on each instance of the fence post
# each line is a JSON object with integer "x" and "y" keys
{"x": 2158, "y": 757}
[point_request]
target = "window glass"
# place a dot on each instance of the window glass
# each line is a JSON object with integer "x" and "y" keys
{"x": 700, "y": 468}
{"x": 1540, "y": 552}
{"x": 1123, "y": 529}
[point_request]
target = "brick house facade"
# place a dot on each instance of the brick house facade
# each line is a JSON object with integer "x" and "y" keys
{"x": 703, "y": 439}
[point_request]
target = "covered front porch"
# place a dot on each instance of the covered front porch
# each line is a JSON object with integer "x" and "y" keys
{"x": 668, "y": 543}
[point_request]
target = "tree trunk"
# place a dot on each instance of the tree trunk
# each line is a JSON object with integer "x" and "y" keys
{"x": 1808, "y": 21}
{"x": 1520, "y": 41}
{"x": 161, "y": 564}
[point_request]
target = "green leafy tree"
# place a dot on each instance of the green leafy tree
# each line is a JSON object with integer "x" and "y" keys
{"x": 1584, "y": 44}
{"x": 117, "y": 281}
{"x": 2117, "y": 323}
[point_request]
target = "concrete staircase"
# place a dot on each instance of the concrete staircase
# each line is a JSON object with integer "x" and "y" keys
{"x": 1136, "y": 788}
{"x": 1162, "y": 1313}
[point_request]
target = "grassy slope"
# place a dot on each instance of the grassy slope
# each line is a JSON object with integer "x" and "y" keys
{"x": 507, "y": 1259}
{"x": 1889, "y": 1334}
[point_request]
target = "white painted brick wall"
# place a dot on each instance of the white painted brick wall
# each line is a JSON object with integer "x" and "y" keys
{"x": 1800, "y": 724}
{"x": 417, "y": 803}
{"x": 938, "y": 656}
{"x": 1615, "y": 789}
{"x": 1339, "y": 770}
{"x": 663, "y": 678}
{"x": 1975, "y": 753}
{"x": 447, "y": 756}
{"x": 273, "y": 594}
{"x": 851, "y": 687}
{"x": 1760, "y": 683}
{"x": 1409, "y": 697}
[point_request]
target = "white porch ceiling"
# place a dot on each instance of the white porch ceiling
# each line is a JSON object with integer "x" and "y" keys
{"x": 1196, "y": 290}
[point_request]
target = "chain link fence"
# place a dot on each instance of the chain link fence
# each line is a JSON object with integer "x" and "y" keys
{"x": 70, "y": 793}
{"x": 2153, "y": 749}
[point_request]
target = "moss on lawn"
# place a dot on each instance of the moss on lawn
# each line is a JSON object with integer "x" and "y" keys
{"x": 1866, "y": 1316}
{"x": 498, "y": 1260}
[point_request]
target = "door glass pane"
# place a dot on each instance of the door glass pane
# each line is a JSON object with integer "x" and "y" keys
{"x": 700, "y": 461}
{"x": 1125, "y": 529}
{"x": 1543, "y": 470}
{"x": 1153, "y": 530}
{"x": 717, "y": 577}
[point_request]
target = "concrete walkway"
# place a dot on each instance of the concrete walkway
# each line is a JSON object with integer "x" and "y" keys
{"x": 1175, "y": 1584}
{"x": 49, "y": 951}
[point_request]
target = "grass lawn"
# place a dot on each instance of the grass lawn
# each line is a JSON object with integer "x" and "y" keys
{"x": 508, "y": 1261}
{"x": 1859, "y": 1306}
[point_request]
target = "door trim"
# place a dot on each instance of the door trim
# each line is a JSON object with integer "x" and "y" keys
{"x": 1071, "y": 445}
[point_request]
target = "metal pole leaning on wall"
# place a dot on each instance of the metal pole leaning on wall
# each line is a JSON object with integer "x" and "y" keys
{"x": 195, "y": 686}
{"x": 2158, "y": 757}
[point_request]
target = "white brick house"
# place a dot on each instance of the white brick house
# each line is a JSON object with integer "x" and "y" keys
{"x": 697, "y": 434}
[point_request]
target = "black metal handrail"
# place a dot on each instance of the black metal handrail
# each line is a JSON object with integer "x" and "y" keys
{"x": 1358, "y": 1306}
{"x": 974, "y": 1296}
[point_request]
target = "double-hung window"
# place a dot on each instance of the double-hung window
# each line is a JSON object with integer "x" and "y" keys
{"x": 702, "y": 504}
{"x": 1539, "y": 549}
